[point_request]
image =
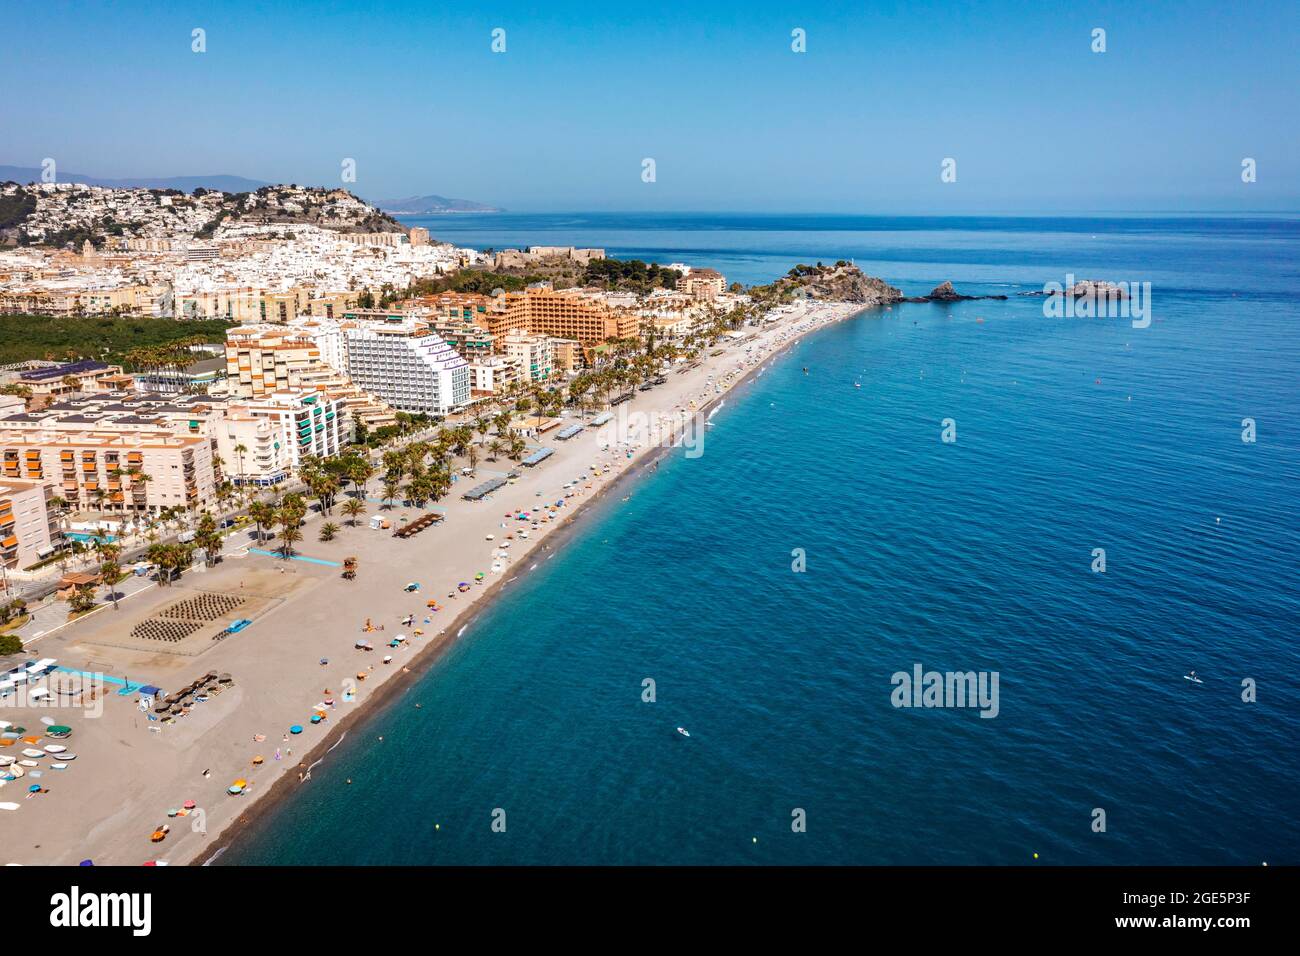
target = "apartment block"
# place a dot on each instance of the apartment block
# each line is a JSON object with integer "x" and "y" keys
{"x": 28, "y": 529}
{"x": 563, "y": 315}
{"x": 532, "y": 354}
{"x": 409, "y": 367}
{"x": 103, "y": 469}
{"x": 702, "y": 284}
{"x": 275, "y": 433}
{"x": 491, "y": 375}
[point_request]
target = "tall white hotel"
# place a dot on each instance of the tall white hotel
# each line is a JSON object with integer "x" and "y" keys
{"x": 409, "y": 367}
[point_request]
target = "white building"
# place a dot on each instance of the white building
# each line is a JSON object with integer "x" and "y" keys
{"x": 277, "y": 432}
{"x": 328, "y": 337}
{"x": 409, "y": 367}
{"x": 532, "y": 354}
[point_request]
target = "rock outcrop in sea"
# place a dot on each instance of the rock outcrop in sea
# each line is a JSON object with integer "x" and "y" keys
{"x": 944, "y": 292}
{"x": 1093, "y": 288}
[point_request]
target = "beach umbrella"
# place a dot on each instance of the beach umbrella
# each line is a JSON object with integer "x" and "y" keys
{"x": 295, "y": 729}
{"x": 86, "y": 863}
{"x": 479, "y": 576}
{"x": 258, "y": 760}
{"x": 34, "y": 788}
{"x": 189, "y": 804}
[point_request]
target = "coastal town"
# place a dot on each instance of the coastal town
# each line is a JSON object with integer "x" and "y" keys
{"x": 216, "y": 551}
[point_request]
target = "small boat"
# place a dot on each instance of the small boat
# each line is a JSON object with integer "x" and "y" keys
{"x": 55, "y": 749}
{"x": 1193, "y": 678}
{"x": 33, "y": 752}
{"x": 683, "y": 731}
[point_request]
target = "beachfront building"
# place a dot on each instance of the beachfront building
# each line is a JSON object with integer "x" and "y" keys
{"x": 409, "y": 367}
{"x": 263, "y": 360}
{"x": 103, "y": 469}
{"x": 568, "y": 314}
{"x": 275, "y": 433}
{"x": 491, "y": 375}
{"x": 29, "y": 529}
{"x": 532, "y": 354}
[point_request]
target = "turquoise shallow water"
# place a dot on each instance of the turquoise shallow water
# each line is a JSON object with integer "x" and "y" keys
{"x": 1072, "y": 434}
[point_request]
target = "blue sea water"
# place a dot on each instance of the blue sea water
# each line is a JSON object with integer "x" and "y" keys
{"x": 1072, "y": 434}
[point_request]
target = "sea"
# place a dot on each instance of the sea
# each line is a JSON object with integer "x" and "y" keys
{"x": 1084, "y": 509}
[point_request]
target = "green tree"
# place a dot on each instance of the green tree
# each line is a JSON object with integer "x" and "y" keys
{"x": 354, "y": 508}
{"x": 110, "y": 566}
{"x": 82, "y": 599}
{"x": 208, "y": 537}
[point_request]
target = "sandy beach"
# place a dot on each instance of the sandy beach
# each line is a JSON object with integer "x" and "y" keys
{"x": 299, "y": 656}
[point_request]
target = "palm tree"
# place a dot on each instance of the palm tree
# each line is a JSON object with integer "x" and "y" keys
{"x": 289, "y": 534}
{"x": 240, "y": 451}
{"x": 288, "y": 517}
{"x": 110, "y": 566}
{"x": 354, "y": 508}
{"x": 328, "y": 530}
{"x": 208, "y": 537}
{"x": 392, "y": 488}
{"x": 263, "y": 514}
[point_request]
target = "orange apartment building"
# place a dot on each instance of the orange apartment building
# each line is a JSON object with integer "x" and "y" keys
{"x": 28, "y": 530}
{"x": 562, "y": 315}
{"x": 91, "y": 469}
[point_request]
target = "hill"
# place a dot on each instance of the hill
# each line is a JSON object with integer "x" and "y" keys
{"x": 842, "y": 282}
{"x": 63, "y": 213}
{"x": 430, "y": 206}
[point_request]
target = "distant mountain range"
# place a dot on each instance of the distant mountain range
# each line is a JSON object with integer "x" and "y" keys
{"x": 429, "y": 206}
{"x": 223, "y": 183}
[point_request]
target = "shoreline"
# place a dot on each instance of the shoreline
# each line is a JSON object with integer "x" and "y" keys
{"x": 414, "y": 670}
{"x": 282, "y": 789}
{"x": 132, "y": 768}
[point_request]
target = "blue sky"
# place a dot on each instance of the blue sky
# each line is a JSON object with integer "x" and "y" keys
{"x": 712, "y": 92}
